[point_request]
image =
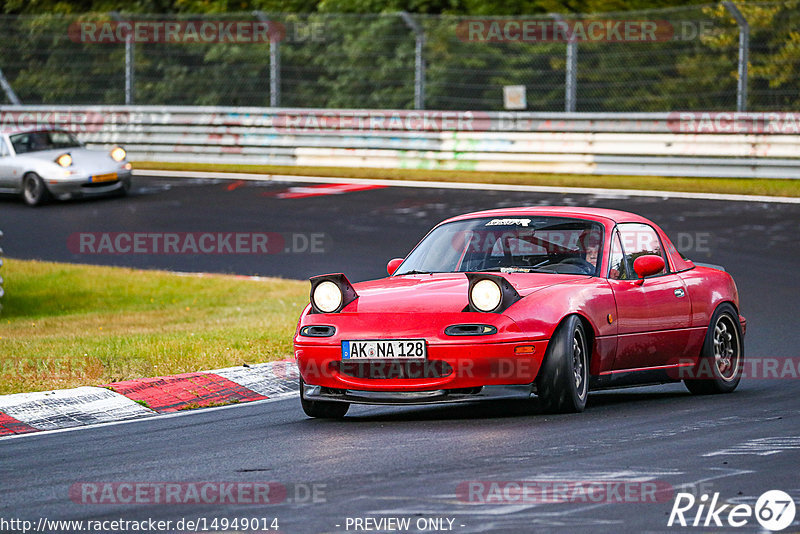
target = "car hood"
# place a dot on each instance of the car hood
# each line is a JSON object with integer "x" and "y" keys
{"x": 439, "y": 292}
{"x": 82, "y": 158}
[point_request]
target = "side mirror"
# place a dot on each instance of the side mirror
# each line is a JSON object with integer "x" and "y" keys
{"x": 648, "y": 265}
{"x": 393, "y": 265}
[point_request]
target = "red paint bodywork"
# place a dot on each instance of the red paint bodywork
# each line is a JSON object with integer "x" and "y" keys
{"x": 633, "y": 326}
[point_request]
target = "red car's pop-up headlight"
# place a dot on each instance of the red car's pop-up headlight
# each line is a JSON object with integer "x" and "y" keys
{"x": 490, "y": 293}
{"x": 330, "y": 293}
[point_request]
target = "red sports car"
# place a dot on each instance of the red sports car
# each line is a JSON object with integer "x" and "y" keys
{"x": 554, "y": 301}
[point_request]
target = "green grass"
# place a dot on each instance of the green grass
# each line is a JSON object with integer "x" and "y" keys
{"x": 65, "y": 325}
{"x": 741, "y": 186}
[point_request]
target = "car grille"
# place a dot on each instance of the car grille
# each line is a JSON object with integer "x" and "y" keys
{"x": 393, "y": 369}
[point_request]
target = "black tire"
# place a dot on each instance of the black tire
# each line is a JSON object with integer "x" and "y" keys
{"x": 563, "y": 381}
{"x": 322, "y": 409}
{"x": 719, "y": 369}
{"x": 34, "y": 190}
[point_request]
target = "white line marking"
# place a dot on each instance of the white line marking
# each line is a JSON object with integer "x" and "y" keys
{"x": 50, "y": 410}
{"x": 597, "y": 191}
{"x": 761, "y": 446}
{"x": 88, "y": 407}
{"x": 277, "y": 398}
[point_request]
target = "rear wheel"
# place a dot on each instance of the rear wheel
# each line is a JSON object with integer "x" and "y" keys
{"x": 34, "y": 190}
{"x": 322, "y": 409}
{"x": 563, "y": 382}
{"x": 719, "y": 369}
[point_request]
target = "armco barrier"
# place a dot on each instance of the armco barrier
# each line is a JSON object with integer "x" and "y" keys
{"x": 758, "y": 145}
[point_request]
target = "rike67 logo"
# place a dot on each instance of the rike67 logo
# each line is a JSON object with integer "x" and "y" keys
{"x": 774, "y": 510}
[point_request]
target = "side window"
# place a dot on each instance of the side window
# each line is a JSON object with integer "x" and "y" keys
{"x": 20, "y": 143}
{"x": 617, "y": 270}
{"x": 639, "y": 240}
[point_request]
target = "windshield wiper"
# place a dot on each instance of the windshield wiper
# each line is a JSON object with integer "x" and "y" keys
{"x": 414, "y": 272}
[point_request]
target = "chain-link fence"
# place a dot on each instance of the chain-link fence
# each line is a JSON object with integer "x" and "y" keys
{"x": 688, "y": 58}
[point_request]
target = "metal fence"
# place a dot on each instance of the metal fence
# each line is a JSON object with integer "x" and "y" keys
{"x": 708, "y": 57}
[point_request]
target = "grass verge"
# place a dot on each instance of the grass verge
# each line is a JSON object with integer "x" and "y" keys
{"x": 65, "y": 325}
{"x": 740, "y": 186}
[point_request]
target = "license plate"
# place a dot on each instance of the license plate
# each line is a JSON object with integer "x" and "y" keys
{"x": 384, "y": 349}
{"x": 110, "y": 177}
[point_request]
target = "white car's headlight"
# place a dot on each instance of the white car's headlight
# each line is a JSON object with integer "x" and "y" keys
{"x": 118, "y": 153}
{"x": 486, "y": 295}
{"x": 327, "y": 297}
{"x": 65, "y": 160}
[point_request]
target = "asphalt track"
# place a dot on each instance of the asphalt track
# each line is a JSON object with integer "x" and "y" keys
{"x": 409, "y": 462}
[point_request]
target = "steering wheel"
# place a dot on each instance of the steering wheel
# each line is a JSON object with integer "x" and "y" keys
{"x": 587, "y": 267}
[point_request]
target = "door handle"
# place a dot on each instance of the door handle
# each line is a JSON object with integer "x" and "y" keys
{"x": 679, "y": 292}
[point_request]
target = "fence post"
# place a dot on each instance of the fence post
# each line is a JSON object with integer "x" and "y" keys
{"x": 10, "y": 94}
{"x": 129, "y": 60}
{"x": 572, "y": 76}
{"x": 571, "y": 73}
{"x": 419, "y": 61}
{"x": 274, "y": 63}
{"x": 744, "y": 54}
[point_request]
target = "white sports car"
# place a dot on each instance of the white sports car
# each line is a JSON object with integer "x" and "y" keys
{"x": 40, "y": 164}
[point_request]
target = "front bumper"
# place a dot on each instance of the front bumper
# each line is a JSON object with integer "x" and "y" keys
{"x": 80, "y": 185}
{"x": 438, "y": 396}
{"x": 450, "y": 366}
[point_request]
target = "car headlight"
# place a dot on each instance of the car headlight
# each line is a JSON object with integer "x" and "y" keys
{"x": 327, "y": 297}
{"x": 118, "y": 153}
{"x": 490, "y": 293}
{"x": 486, "y": 295}
{"x": 65, "y": 160}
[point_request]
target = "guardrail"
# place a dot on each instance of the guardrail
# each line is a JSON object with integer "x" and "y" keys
{"x": 746, "y": 145}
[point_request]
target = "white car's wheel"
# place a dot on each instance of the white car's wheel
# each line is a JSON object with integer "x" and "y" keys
{"x": 34, "y": 190}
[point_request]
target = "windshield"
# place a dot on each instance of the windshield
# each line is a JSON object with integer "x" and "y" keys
{"x": 514, "y": 244}
{"x": 36, "y": 141}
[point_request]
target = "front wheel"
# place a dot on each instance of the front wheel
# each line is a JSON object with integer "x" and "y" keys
{"x": 563, "y": 382}
{"x": 34, "y": 190}
{"x": 322, "y": 409}
{"x": 719, "y": 369}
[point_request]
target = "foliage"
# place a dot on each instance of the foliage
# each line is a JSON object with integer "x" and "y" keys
{"x": 333, "y": 55}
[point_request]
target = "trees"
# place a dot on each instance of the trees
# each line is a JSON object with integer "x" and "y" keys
{"x": 356, "y": 60}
